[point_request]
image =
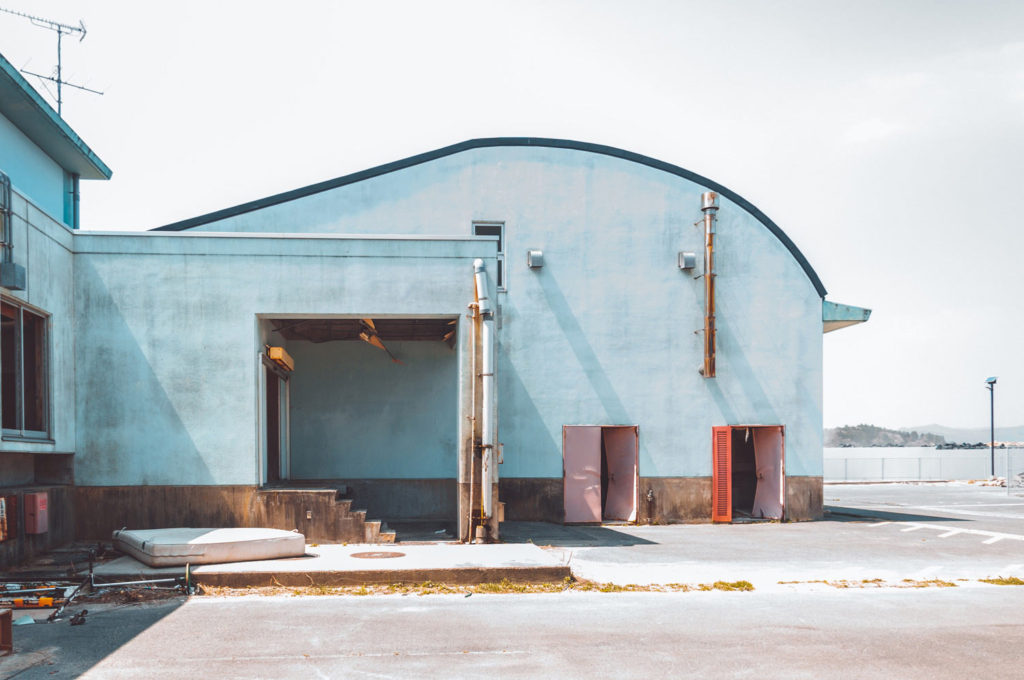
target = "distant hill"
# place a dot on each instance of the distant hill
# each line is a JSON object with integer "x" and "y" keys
{"x": 872, "y": 435}
{"x": 974, "y": 434}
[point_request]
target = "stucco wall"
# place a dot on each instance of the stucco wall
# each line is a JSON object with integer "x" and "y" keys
{"x": 169, "y": 336}
{"x": 32, "y": 172}
{"x": 355, "y": 414}
{"x": 44, "y": 248}
{"x": 604, "y": 333}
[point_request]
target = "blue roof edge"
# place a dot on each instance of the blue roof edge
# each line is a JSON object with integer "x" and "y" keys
{"x": 69, "y": 135}
{"x": 510, "y": 142}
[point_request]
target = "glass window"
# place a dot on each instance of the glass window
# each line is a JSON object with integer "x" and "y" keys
{"x": 23, "y": 371}
{"x": 494, "y": 229}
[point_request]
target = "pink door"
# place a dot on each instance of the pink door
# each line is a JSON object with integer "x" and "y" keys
{"x": 620, "y": 448}
{"x": 581, "y": 469}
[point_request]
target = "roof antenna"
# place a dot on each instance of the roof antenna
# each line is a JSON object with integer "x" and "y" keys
{"x": 60, "y": 29}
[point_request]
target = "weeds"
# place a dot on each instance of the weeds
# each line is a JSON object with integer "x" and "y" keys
{"x": 1003, "y": 581}
{"x": 495, "y": 588}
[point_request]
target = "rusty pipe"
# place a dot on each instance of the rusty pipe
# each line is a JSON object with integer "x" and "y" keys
{"x": 709, "y": 206}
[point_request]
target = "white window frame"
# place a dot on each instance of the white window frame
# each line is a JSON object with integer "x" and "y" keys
{"x": 20, "y": 432}
{"x": 501, "y": 276}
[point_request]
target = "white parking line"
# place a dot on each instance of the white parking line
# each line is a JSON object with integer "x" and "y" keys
{"x": 973, "y": 513}
{"x": 879, "y": 524}
{"x": 991, "y": 536}
{"x": 977, "y": 505}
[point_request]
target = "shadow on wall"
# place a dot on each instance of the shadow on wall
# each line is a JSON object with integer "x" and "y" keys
{"x": 745, "y": 378}
{"x": 577, "y": 339}
{"x": 534, "y": 449}
{"x": 130, "y": 432}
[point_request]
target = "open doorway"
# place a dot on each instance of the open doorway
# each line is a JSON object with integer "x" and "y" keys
{"x": 373, "y": 411}
{"x": 748, "y": 480}
{"x": 599, "y": 473}
{"x": 275, "y": 419}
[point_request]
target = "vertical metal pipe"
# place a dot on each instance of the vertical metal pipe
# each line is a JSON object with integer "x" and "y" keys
{"x": 709, "y": 206}
{"x": 487, "y": 434}
{"x": 76, "y": 201}
{"x": 992, "y": 428}
{"x": 474, "y": 430}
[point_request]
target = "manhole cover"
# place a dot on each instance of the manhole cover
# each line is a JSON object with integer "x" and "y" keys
{"x": 377, "y": 555}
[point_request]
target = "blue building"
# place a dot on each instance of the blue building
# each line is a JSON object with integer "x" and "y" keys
{"x": 514, "y": 328}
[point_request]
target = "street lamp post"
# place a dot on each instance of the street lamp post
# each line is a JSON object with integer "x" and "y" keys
{"x": 990, "y": 383}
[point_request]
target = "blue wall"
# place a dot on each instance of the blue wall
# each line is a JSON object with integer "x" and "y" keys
{"x": 33, "y": 174}
{"x": 168, "y": 325}
{"x": 355, "y": 414}
{"x": 170, "y": 334}
{"x": 604, "y": 333}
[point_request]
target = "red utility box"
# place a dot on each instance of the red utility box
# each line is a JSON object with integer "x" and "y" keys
{"x": 36, "y": 520}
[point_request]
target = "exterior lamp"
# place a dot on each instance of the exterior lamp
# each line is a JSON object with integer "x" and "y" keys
{"x": 990, "y": 383}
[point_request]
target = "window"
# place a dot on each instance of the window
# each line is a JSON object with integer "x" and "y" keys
{"x": 494, "y": 229}
{"x": 23, "y": 385}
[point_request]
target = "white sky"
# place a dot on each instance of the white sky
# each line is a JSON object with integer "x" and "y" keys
{"x": 886, "y": 138}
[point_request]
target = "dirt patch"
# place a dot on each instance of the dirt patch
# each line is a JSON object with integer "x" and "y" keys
{"x": 501, "y": 587}
{"x": 128, "y": 595}
{"x": 879, "y": 583}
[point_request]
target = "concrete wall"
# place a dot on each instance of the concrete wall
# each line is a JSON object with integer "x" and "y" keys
{"x": 169, "y": 338}
{"x": 604, "y": 333}
{"x": 44, "y": 248}
{"x": 357, "y": 415}
{"x": 158, "y": 334}
{"x": 33, "y": 173}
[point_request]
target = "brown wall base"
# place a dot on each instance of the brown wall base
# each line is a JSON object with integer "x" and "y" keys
{"x": 100, "y": 510}
{"x": 305, "y": 506}
{"x": 804, "y": 499}
{"x": 61, "y": 528}
{"x": 674, "y": 499}
{"x": 532, "y": 499}
{"x": 663, "y": 500}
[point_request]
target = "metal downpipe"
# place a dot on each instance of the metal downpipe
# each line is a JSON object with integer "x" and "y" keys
{"x": 487, "y": 415}
{"x": 709, "y": 206}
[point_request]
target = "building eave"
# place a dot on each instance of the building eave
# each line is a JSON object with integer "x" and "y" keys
{"x": 37, "y": 120}
{"x": 835, "y": 316}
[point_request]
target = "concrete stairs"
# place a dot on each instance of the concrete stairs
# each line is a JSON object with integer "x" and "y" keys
{"x": 320, "y": 513}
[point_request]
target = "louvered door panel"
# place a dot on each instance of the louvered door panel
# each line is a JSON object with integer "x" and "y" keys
{"x": 721, "y": 479}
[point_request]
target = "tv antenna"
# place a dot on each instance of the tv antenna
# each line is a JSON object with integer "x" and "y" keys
{"x": 61, "y": 30}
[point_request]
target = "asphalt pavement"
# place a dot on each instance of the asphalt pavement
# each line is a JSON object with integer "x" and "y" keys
{"x": 913, "y": 634}
{"x": 888, "y": 584}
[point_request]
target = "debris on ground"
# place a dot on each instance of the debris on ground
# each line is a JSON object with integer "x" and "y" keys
{"x": 79, "y": 618}
{"x": 502, "y": 587}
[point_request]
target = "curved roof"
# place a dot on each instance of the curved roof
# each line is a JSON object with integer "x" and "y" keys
{"x": 507, "y": 141}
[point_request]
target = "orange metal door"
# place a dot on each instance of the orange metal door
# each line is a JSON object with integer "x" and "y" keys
{"x": 721, "y": 478}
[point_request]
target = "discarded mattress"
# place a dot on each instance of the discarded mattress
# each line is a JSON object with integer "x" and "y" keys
{"x": 175, "y": 547}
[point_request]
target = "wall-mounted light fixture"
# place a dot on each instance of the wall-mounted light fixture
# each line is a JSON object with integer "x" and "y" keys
{"x": 687, "y": 261}
{"x": 534, "y": 259}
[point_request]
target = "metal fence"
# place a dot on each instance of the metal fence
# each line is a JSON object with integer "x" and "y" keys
{"x": 913, "y": 464}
